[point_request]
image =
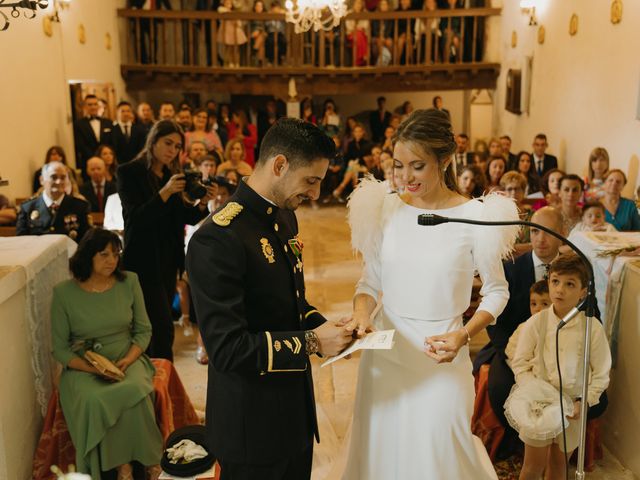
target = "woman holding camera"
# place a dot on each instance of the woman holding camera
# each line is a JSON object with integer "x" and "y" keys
{"x": 101, "y": 310}
{"x": 155, "y": 210}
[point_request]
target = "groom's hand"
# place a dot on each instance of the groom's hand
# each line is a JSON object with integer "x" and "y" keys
{"x": 333, "y": 338}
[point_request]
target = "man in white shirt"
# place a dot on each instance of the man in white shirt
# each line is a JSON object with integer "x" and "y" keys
{"x": 542, "y": 161}
{"x": 53, "y": 211}
{"x": 98, "y": 188}
{"x": 129, "y": 137}
{"x": 90, "y": 132}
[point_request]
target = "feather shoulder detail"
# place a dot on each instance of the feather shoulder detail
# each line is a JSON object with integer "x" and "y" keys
{"x": 368, "y": 209}
{"x": 497, "y": 241}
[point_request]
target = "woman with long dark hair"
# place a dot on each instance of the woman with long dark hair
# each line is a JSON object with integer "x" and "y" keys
{"x": 108, "y": 155}
{"x": 155, "y": 210}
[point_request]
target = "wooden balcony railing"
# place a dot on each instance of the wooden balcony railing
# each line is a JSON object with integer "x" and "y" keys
{"x": 375, "y": 44}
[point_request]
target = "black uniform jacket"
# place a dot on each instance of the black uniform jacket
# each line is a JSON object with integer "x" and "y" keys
{"x": 246, "y": 277}
{"x": 71, "y": 218}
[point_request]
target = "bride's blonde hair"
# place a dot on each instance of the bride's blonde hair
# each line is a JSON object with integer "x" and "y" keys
{"x": 430, "y": 130}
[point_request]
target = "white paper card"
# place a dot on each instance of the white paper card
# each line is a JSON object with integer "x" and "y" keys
{"x": 382, "y": 340}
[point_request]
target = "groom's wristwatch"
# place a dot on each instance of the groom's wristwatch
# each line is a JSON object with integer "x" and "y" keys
{"x": 312, "y": 343}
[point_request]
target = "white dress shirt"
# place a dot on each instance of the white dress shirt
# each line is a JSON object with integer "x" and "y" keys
{"x": 95, "y": 126}
{"x": 539, "y": 267}
{"x": 538, "y": 163}
{"x": 48, "y": 201}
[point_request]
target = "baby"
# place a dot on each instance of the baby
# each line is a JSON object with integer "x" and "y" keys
{"x": 593, "y": 220}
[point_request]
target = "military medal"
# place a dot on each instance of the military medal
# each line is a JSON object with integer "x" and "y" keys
{"x": 296, "y": 246}
{"x": 35, "y": 214}
{"x": 267, "y": 250}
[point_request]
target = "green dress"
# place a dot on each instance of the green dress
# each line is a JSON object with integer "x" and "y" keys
{"x": 110, "y": 423}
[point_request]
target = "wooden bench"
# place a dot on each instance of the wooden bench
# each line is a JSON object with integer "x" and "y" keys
{"x": 8, "y": 231}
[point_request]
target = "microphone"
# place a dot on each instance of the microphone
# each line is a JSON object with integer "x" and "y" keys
{"x": 431, "y": 219}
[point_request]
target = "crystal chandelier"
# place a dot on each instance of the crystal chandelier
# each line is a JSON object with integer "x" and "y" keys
{"x": 316, "y": 14}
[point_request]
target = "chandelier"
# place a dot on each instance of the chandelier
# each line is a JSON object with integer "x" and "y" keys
{"x": 25, "y": 7}
{"x": 316, "y": 14}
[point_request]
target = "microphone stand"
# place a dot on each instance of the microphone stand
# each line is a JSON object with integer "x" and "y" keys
{"x": 588, "y": 304}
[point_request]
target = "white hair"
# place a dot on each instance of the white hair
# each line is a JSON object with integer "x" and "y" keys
{"x": 48, "y": 168}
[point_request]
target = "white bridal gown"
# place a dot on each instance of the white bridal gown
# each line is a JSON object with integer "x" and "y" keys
{"x": 412, "y": 417}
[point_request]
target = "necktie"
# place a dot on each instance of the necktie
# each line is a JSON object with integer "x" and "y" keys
{"x": 126, "y": 132}
{"x": 546, "y": 271}
{"x": 99, "y": 196}
{"x": 540, "y": 167}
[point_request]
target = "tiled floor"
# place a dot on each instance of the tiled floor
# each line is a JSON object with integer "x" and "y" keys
{"x": 331, "y": 271}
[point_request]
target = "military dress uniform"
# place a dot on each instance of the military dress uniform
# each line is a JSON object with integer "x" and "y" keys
{"x": 246, "y": 276}
{"x": 70, "y": 218}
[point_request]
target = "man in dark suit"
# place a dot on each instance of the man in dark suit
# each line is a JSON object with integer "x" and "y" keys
{"x": 91, "y": 131}
{"x": 97, "y": 189}
{"x": 379, "y": 120}
{"x": 542, "y": 161}
{"x": 520, "y": 274}
{"x": 128, "y": 137}
{"x": 462, "y": 155}
{"x": 54, "y": 212}
{"x": 511, "y": 158}
{"x": 246, "y": 274}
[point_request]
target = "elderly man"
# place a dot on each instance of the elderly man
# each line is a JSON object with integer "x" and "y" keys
{"x": 53, "y": 211}
{"x": 98, "y": 188}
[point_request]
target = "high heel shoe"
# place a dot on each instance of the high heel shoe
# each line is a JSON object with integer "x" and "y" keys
{"x": 201, "y": 356}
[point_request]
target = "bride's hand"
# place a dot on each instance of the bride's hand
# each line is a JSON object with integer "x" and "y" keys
{"x": 360, "y": 323}
{"x": 444, "y": 348}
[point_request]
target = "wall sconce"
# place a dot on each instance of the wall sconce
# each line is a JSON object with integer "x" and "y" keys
{"x": 59, "y": 5}
{"x": 25, "y": 7}
{"x": 528, "y": 7}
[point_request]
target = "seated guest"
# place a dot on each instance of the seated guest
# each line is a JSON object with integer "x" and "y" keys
{"x": 7, "y": 212}
{"x": 524, "y": 165}
{"x": 200, "y": 133}
{"x": 232, "y": 176}
{"x": 462, "y": 154}
{"x": 128, "y": 137}
{"x": 593, "y": 220}
{"x": 598, "y": 167}
{"x": 535, "y": 359}
{"x": 241, "y": 128}
{"x": 571, "y": 188}
{"x": 550, "y": 187}
{"x": 108, "y": 155}
{"x": 514, "y": 185}
{"x": 195, "y": 152}
{"x": 53, "y": 211}
{"x": 511, "y": 158}
{"x": 98, "y": 188}
{"x": 185, "y": 119}
{"x": 527, "y": 269}
{"x": 471, "y": 181}
{"x": 495, "y": 169}
{"x": 111, "y": 423}
{"x": 542, "y": 161}
{"x": 495, "y": 149}
{"x": 234, "y": 156}
{"x": 54, "y": 154}
{"x": 620, "y": 212}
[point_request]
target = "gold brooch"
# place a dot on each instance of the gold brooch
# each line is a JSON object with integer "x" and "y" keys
{"x": 267, "y": 250}
{"x": 228, "y": 213}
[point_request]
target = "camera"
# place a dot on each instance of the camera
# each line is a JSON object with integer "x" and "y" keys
{"x": 196, "y": 187}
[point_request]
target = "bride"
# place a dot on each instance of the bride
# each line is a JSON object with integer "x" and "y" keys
{"x": 414, "y": 403}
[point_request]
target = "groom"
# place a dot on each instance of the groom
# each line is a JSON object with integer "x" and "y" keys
{"x": 246, "y": 275}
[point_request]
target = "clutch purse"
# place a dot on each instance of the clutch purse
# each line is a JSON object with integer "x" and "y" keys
{"x": 105, "y": 367}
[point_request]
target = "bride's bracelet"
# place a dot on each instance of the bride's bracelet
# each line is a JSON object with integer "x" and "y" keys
{"x": 468, "y": 336}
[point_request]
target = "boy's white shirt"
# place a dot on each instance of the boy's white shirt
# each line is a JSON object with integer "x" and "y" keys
{"x": 525, "y": 363}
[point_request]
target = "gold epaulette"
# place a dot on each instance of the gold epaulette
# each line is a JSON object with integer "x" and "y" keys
{"x": 228, "y": 213}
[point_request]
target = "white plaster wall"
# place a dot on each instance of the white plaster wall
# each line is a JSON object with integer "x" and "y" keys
{"x": 585, "y": 88}
{"x": 35, "y": 104}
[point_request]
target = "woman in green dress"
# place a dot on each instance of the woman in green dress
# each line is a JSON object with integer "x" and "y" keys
{"x": 102, "y": 309}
